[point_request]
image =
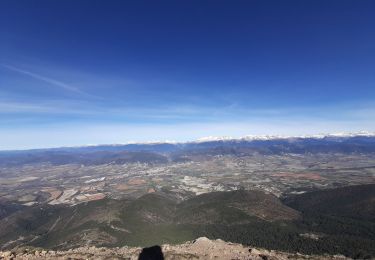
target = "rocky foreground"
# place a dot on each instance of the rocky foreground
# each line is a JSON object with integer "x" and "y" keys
{"x": 201, "y": 248}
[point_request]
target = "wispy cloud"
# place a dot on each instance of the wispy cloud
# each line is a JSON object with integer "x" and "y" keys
{"x": 39, "y": 109}
{"x": 180, "y": 113}
{"x": 129, "y": 113}
{"x": 53, "y": 82}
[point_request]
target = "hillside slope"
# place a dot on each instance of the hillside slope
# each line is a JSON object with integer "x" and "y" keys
{"x": 247, "y": 217}
{"x": 152, "y": 218}
{"x": 233, "y": 207}
{"x": 352, "y": 201}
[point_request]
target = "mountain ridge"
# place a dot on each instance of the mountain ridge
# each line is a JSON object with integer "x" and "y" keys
{"x": 207, "y": 139}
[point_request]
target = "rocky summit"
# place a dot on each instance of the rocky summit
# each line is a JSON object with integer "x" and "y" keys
{"x": 201, "y": 248}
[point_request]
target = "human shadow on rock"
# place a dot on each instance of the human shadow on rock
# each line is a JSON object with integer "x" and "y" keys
{"x": 151, "y": 253}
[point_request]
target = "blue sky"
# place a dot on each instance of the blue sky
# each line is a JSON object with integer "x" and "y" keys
{"x": 89, "y": 72}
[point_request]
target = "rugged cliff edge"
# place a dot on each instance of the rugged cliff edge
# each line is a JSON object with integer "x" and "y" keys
{"x": 201, "y": 248}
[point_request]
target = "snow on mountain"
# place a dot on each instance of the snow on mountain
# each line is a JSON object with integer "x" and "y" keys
{"x": 244, "y": 138}
{"x": 277, "y": 137}
{"x": 214, "y": 138}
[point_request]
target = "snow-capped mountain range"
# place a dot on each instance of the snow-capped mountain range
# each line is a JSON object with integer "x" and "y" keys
{"x": 244, "y": 138}
{"x": 253, "y": 138}
{"x": 276, "y": 137}
{"x": 211, "y": 140}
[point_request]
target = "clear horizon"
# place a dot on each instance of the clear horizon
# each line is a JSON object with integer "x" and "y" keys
{"x": 79, "y": 72}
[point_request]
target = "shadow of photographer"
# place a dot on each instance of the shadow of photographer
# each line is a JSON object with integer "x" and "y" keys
{"x": 151, "y": 253}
